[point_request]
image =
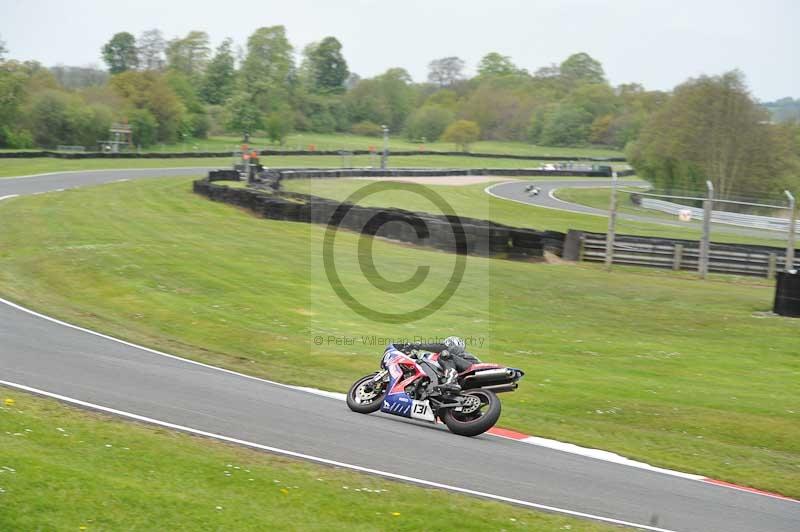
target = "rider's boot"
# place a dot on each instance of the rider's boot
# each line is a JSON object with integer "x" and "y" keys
{"x": 450, "y": 384}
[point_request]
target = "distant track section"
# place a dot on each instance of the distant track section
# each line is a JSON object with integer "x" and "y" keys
{"x": 755, "y": 221}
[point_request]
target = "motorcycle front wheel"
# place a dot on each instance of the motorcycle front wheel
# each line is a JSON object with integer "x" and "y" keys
{"x": 364, "y": 397}
{"x": 479, "y": 415}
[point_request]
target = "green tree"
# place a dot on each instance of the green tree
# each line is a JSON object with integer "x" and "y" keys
{"x": 494, "y": 64}
{"x": 444, "y": 98}
{"x": 189, "y": 55}
{"x": 58, "y": 117}
{"x": 602, "y": 130}
{"x": 462, "y": 133}
{"x": 428, "y": 122}
{"x": 278, "y": 126}
{"x": 12, "y": 97}
{"x": 220, "y": 76}
{"x": 711, "y": 128}
{"x": 195, "y": 122}
{"x": 582, "y": 68}
{"x": 152, "y": 91}
{"x": 144, "y": 127}
{"x": 566, "y": 125}
{"x": 243, "y": 115}
{"x": 268, "y": 68}
{"x": 386, "y": 99}
{"x": 3, "y": 49}
{"x": 502, "y": 107}
{"x": 19, "y": 83}
{"x": 325, "y": 66}
{"x": 321, "y": 113}
{"x": 597, "y": 99}
{"x": 120, "y": 53}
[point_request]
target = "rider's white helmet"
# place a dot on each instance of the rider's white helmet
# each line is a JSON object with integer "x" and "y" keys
{"x": 455, "y": 345}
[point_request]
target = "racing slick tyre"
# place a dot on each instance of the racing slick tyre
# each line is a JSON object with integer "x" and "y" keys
{"x": 481, "y": 414}
{"x": 365, "y": 398}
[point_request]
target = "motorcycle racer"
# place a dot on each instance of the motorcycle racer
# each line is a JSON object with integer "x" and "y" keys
{"x": 453, "y": 358}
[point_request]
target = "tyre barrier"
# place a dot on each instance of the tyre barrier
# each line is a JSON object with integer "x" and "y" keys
{"x": 482, "y": 237}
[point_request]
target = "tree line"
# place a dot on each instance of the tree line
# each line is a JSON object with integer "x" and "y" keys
{"x": 169, "y": 90}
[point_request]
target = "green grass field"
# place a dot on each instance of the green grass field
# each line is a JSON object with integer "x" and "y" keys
{"x": 341, "y": 141}
{"x": 655, "y": 365}
{"x": 17, "y": 167}
{"x": 473, "y": 201}
{"x": 68, "y": 469}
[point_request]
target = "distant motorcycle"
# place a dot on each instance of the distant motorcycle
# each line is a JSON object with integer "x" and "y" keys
{"x": 532, "y": 190}
{"x": 405, "y": 386}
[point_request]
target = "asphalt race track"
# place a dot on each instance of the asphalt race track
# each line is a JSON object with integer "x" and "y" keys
{"x": 55, "y": 358}
{"x": 515, "y": 191}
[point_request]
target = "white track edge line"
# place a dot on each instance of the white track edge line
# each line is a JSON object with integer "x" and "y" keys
{"x": 597, "y": 454}
{"x": 326, "y": 461}
{"x": 9, "y": 197}
{"x": 321, "y": 393}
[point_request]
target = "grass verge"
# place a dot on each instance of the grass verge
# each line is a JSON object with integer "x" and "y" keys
{"x": 18, "y": 167}
{"x": 657, "y": 366}
{"x": 473, "y": 201}
{"x": 340, "y": 141}
{"x": 69, "y": 469}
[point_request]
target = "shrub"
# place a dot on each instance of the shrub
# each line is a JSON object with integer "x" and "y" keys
{"x": 462, "y": 133}
{"x": 144, "y": 127}
{"x": 278, "y": 127}
{"x": 428, "y": 122}
{"x": 367, "y": 129}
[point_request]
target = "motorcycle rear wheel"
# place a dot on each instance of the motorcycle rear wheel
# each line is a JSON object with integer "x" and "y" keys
{"x": 358, "y": 394}
{"x": 477, "y": 422}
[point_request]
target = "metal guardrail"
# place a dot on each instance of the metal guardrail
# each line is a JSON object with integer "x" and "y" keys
{"x": 758, "y": 261}
{"x": 724, "y": 217}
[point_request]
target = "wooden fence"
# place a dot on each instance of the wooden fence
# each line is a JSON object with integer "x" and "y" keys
{"x": 675, "y": 254}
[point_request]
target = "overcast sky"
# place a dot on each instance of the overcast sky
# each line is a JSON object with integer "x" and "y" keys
{"x": 656, "y": 43}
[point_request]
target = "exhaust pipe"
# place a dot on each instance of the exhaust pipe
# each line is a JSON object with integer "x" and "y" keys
{"x": 488, "y": 375}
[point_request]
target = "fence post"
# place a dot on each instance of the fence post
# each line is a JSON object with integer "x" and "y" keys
{"x": 772, "y": 261}
{"x": 677, "y": 258}
{"x": 789, "y": 265}
{"x": 581, "y": 247}
{"x": 612, "y": 223}
{"x": 705, "y": 243}
{"x": 385, "y": 153}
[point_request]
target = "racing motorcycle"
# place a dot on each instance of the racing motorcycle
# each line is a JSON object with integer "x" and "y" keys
{"x": 406, "y": 386}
